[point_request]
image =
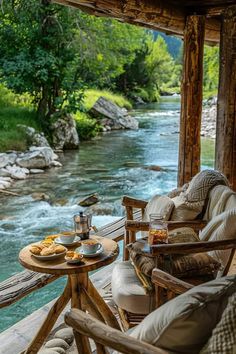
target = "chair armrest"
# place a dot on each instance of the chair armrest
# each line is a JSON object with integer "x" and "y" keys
{"x": 167, "y": 281}
{"x": 192, "y": 247}
{"x": 144, "y": 225}
{"x": 107, "y": 336}
{"x": 132, "y": 202}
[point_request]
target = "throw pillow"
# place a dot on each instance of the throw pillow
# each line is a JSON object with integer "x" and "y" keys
{"x": 184, "y": 324}
{"x": 185, "y": 211}
{"x": 223, "y": 339}
{"x": 221, "y": 227}
{"x": 161, "y": 205}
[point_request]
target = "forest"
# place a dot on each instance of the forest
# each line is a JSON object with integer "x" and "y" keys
{"x": 57, "y": 59}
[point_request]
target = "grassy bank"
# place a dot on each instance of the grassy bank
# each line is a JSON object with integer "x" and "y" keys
{"x": 17, "y": 109}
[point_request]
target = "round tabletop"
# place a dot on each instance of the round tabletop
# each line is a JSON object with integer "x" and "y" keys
{"x": 60, "y": 267}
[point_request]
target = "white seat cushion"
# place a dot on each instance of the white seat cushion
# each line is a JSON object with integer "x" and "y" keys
{"x": 184, "y": 324}
{"x": 127, "y": 290}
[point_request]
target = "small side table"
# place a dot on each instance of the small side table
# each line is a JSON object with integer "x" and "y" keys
{"x": 79, "y": 288}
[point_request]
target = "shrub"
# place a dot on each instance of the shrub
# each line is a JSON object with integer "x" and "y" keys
{"x": 86, "y": 126}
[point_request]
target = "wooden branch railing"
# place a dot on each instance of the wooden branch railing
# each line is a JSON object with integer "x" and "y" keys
{"x": 144, "y": 226}
{"x": 23, "y": 283}
{"x": 86, "y": 326}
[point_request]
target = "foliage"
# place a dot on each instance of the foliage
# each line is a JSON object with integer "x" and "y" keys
{"x": 86, "y": 126}
{"x": 38, "y": 59}
{"x": 211, "y": 70}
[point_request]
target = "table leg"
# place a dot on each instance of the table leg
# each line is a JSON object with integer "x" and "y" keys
{"x": 50, "y": 320}
{"x": 103, "y": 308}
{"x": 77, "y": 283}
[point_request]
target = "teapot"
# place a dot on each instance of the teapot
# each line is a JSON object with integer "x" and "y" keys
{"x": 82, "y": 225}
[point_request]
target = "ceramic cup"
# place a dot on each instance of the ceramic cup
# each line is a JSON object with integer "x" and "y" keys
{"x": 90, "y": 246}
{"x": 67, "y": 236}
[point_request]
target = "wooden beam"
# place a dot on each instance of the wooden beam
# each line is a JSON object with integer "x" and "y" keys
{"x": 157, "y": 15}
{"x": 191, "y": 99}
{"x": 226, "y": 106}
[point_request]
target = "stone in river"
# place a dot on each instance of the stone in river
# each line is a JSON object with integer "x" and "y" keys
{"x": 64, "y": 133}
{"x": 65, "y": 334}
{"x": 40, "y": 196}
{"x": 35, "y": 171}
{"x": 154, "y": 168}
{"x": 57, "y": 342}
{"x": 90, "y": 200}
{"x": 102, "y": 209}
{"x": 37, "y": 157}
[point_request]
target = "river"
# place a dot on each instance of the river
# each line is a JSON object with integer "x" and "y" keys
{"x": 112, "y": 165}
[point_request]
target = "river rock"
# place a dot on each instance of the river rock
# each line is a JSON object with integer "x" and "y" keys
{"x": 101, "y": 209}
{"x": 66, "y": 334}
{"x": 5, "y": 182}
{"x": 33, "y": 137}
{"x": 90, "y": 200}
{"x": 154, "y": 168}
{"x": 4, "y": 172}
{"x": 110, "y": 115}
{"x": 4, "y": 160}
{"x": 55, "y": 164}
{"x": 40, "y": 196}
{"x": 17, "y": 172}
{"x": 64, "y": 133}
{"x": 37, "y": 157}
{"x": 57, "y": 342}
{"x": 35, "y": 171}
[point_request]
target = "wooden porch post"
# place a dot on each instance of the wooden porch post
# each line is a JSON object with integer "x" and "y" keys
{"x": 226, "y": 107}
{"x": 191, "y": 99}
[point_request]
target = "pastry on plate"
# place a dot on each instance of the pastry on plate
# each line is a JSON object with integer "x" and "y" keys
{"x": 59, "y": 249}
{"x": 35, "y": 249}
{"x": 47, "y": 251}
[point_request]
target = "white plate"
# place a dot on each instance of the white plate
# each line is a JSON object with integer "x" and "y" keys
{"x": 59, "y": 241}
{"x": 73, "y": 261}
{"x": 50, "y": 257}
{"x": 89, "y": 255}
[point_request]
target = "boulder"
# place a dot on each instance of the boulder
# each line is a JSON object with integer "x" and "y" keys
{"x": 4, "y": 183}
{"x": 55, "y": 164}
{"x": 90, "y": 200}
{"x": 111, "y": 115}
{"x": 37, "y": 157}
{"x": 4, "y": 172}
{"x": 17, "y": 172}
{"x": 64, "y": 133}
{"x": 101, "y": 209}
{"x": 154, "y": 168}
{"x": 4, "y": 160}
{"x": 33, "y": 137}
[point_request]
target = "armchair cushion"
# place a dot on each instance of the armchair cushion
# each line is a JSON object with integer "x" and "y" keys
{"x": 127, "y": 290}
{"x": 188, "y": 266}
{"x": 184, "y": 324}
{"x": 221, "y": 227}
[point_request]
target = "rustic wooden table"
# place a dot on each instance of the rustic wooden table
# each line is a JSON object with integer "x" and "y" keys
{"x": 79, "y": 288}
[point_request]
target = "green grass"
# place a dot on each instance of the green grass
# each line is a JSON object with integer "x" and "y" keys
{"x": 14, "y": 110}
{"x": 207, "y": 152}
{"x": 17, "y": 109}
{"x": 91, "y": 96}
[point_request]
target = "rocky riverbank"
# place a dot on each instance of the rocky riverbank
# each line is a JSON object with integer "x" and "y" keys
{"x": 209, "y": 118}
{"x": 19, "y": 165}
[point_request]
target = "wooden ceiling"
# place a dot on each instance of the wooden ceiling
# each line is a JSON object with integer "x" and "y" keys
{"x": 163, "y": 15}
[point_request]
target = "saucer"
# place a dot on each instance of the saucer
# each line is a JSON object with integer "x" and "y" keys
{"x": 60, "y": 242}
{"x": 90, "y": 255}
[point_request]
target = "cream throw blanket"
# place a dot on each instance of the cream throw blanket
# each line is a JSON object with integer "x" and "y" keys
{"x": 190, "y": 203}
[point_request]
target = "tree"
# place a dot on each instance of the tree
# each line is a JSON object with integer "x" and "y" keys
{"x": 211, "y": 69}
{"x": 36, "y": 53}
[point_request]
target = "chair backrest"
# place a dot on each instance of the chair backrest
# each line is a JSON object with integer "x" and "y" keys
{"x": 221, "y": 198}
